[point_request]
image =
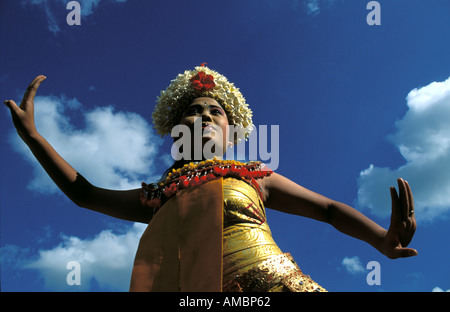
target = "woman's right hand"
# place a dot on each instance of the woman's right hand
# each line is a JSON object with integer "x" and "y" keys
{"x": 23, "y": 115}
{"x": 119, "y": 204}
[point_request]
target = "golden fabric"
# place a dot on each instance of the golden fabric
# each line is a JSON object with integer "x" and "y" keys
{"x": 214, "y": 237}
{"x": 246, "y": 237}
{"x": 252, "y": 261}
{"x": 279, "y": 273}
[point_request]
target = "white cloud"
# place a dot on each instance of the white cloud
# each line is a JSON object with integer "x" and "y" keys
{"x": 314, "y": 7}
{"x": 353, "y": 265}
{"x": 106, "y": 260}
{"x": 438, "y": 289}
{"x": 116, "y": 150}
{"x": 423, "y": 139}
{"x": 89, "y": 6}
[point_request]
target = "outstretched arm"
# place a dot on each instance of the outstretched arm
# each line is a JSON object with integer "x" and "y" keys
{"x": 120, "y": 204}
{"x": 285, "y": 195}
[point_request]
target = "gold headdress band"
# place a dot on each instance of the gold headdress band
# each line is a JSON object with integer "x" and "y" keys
{"x": 201, "y": 82}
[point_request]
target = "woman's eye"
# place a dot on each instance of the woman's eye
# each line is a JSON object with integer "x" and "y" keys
{"x": 192, "y": 111}
{"x": 216, "y": 111}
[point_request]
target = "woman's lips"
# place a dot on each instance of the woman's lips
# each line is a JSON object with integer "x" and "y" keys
{"x": 208, "y": 130}
{"x": 208, "y": 127}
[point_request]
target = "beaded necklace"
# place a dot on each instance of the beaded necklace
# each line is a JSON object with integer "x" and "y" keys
{"x": 154, "y": 195}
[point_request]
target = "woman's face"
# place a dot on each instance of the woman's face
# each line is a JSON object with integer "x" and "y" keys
{"x": 209, "y": 114}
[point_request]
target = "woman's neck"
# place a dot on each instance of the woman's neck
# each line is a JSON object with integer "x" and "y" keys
{"x": 180, "y": 163}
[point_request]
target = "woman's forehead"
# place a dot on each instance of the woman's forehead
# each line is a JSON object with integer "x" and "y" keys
{"x": 205, "y": 100}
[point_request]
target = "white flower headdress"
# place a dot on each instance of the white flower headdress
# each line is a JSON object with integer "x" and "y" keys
{"x": 201, "y": 82}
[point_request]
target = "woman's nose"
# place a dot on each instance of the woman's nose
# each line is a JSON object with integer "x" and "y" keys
{"x": 206, "y": 116}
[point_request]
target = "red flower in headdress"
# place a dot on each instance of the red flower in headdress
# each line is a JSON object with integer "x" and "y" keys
{"x": 203, "y": 82}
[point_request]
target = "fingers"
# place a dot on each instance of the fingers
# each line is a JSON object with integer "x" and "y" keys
{"x": 411, "y": 199}
{"x": 408, "y": 221}
{"x": 394, "y": 196}
{"x": 403, "y": 253}
{"x": 395, "y": 205}
{"x": 411, "y": 223}
{"x": 405, "y": 199}
{"x": 30, "y": 93}
{"x": 403, "y": 223}
{"x": 11, "y": 105}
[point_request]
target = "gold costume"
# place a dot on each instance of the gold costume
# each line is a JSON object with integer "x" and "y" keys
{"x": 214, "y": 237}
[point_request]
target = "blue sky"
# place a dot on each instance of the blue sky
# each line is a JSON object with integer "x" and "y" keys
{"x": 357, "y": 106}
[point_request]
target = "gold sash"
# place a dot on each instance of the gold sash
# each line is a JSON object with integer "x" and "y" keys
{"x": 181, "y": 249}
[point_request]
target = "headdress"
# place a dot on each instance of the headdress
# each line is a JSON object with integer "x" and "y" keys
{"x": 200, "y": 82}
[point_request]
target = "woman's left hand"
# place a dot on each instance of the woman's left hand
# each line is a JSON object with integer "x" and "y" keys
{"x": 403, "y": 223}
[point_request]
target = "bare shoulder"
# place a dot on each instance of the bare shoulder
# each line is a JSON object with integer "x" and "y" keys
{"x": 267, "y": 183}
{"x": 282, "y": 194}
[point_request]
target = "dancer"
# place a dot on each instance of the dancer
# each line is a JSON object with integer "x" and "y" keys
{"x": 207, "y": 227}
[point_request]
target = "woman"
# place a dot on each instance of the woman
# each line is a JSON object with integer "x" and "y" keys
{"x": 207, "y": 227}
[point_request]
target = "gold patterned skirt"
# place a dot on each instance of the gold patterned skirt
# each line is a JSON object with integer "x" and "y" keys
{"x": 252, "y": 262}
{"x": 279, "y": 273}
